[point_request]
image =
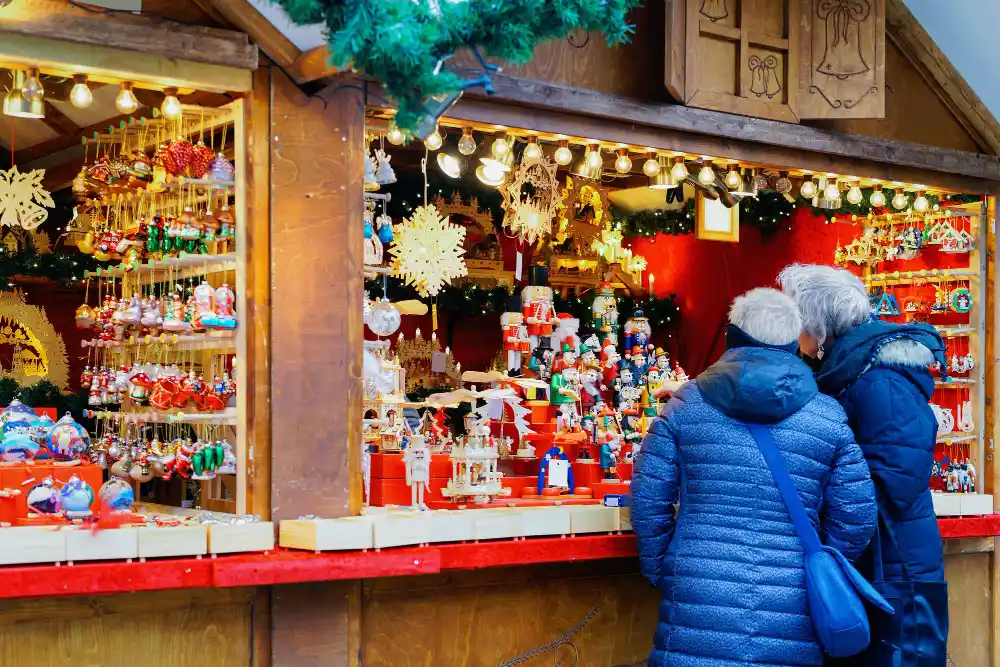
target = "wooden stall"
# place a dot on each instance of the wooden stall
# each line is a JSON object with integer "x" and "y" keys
{"x": 300, "y": 151}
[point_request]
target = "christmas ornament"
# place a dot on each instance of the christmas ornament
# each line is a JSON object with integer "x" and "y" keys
{"x": 201, "y": 160}
{"x": 44, "y": 498}
{"x": 428, "y": 251}
{"x": 22, "y": 198}
{"x": 117, "y": 495}
{"x": 221, "y": 169}
{"x": 385, "y": 175}
{"x": 68, "y": 440}
{"x": 76, "y": 498}
{"x": 177, "y": 156}
{"x": 531, "y": 198}
{"x": 384, "y": 319}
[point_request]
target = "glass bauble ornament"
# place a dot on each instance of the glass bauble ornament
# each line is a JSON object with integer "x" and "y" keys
{"x": 384, "y": 319}
{"x": 17, "y": 412}
{"x": 116, "y": 494}
{"x": 120, "y": 468}
{"x": 77, "y": 497}
{"x": 385, "y": 233}
{"x": 68, "y": 440}
{"x": 40, "y": 429}
{"x": 140, "y": 473}
{"x": 18, "y": 446}
{"x": 44, "y": 498}
{"x": 221, "y": 169}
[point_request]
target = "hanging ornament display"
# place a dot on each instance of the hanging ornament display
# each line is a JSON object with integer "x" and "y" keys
{"x": 531, "y": 199}
{"x": 384, "y": 318}
{"x": 384, "y": 174}
{"x": 23, "y": 199}
{"x": 428, "y": 251}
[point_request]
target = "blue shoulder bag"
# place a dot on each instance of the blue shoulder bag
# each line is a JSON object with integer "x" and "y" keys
{"x": 835, "y": 590}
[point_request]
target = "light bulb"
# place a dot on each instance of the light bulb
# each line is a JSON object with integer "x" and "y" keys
{"x": 433, "y": 140}
{"x": 900, "y": 200}
{"x": 32, "y": 88}
{"x": 467, "y": 144}
{"x": 679, "y": 171}
{"x": 854, "y": 195}
{"x": 623, "y": 164}
{"x": 532, "y": 152}
{"x": 171, "y": 107}
{"x": 832, "y": 190}
{"x": 809, "y": 188}
{"x": 733, "y": 179}
{"x": 651, "y": 167}
{"x": 563, "y": 154}
{"x": 395, "y": 136}
{"x": 449, "y": 165}
{"x": 500, "y": 147}
{"x": 920, "y": 204}
{"x": 707, "y": 175}
{"x": 491, "y": 173}
{"x": 126, "y": 101}
{"x": 80, "y": 96}
{"x": 877, "y": 200}
{"x": 593, "y": 157}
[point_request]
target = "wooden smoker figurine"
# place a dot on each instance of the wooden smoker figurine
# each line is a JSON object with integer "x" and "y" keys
{"x": 418, "y": 470}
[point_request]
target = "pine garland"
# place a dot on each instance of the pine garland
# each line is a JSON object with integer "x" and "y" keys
{"x": 403, "y": 43}
{"x": 768, "y": 211}
{"x": 63, "y": 268}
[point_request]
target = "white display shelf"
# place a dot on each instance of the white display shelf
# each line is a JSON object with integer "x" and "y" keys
{"x": 185, "y": 265}
{"x": 955, "y": 332}
{"x": 962, "y": 504}
{"x": 949, "y": 438}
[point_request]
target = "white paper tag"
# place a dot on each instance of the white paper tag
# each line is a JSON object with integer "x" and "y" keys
{"x": 559, "y": 473}
{"x": 439, "y": 362}
{"x": 518, "y": 266}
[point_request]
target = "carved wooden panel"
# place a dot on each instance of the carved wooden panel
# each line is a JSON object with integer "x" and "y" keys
{"x": 741, "y": 56}
{"x": 842, "y": 59}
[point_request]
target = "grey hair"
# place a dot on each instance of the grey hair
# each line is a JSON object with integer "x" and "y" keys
{"x": 832, "y": 301}
{"x": 767, "y": 315}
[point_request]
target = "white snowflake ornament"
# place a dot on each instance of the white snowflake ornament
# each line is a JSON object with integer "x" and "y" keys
{"x": 427, "y": 251}
{"x": 22, "y": 198}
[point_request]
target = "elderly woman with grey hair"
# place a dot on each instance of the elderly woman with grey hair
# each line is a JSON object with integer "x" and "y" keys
{"x": 730, "y": 564}
{"x": 880, "y": 374}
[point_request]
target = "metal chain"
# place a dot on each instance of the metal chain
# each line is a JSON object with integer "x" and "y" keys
{"x": 561, "y": 640}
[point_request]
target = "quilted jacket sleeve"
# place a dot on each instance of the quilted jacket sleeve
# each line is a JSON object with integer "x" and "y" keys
{"x": 655, "y": 485}
{"x": 848, "y": 519}
{"x": 896, "y": 431}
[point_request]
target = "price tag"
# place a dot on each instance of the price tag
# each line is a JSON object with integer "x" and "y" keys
{"x": 559, "y": 473}
{"x": 439, "y": 362}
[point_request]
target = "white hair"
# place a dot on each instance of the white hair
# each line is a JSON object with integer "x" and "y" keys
{"x": 832, "y": 301}
{"x": 767, "y": 315}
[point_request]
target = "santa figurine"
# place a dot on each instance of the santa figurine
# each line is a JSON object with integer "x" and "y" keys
{"x": 417, "y": 458}
{"x": 590, "y": 385}
{"x": 539, "y": 314}
{"x": 609, "y": 365}
{"x": 515, "y": 340}
{"x": 566, "y": 333}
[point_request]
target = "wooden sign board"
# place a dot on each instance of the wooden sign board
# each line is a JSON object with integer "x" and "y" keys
{"x": 715, "y": 222}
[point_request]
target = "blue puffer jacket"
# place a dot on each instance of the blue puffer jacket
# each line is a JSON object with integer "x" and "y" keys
{"x": 730, "y": 565}
{"x": 879, "y": 373}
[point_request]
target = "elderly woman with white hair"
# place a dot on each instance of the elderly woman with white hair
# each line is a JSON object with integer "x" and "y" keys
{"x": 730, "y": 564}
{"x": 880, "y": 374}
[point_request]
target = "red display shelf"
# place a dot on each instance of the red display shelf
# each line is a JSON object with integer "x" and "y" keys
{"x": 286, "y": 566}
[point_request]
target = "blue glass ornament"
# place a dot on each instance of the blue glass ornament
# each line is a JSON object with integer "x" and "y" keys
{"x": 44, "y": 498}
{"x": 369, "y": 231}
{"x": 68, "y": 440}
{"x": 77, "y": 497}
{"x": 117, "y": 495}
{"x": 18, "y": 447}
{"x": 385, "y": 234}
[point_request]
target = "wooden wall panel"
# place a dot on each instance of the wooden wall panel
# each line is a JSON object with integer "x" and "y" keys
{"x": 969, "y": 606}
{"x": 155, "y": 629}
{"x": 913, "y": 111}
{"x": 317, "y": 205}
{"x": 480, "y": 619}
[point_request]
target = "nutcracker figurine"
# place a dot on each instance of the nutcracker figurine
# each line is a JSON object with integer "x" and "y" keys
{"x": 590, "y": 385}
{"x": 515, "y": 340}
{"x": 609, "y": 365}
{"x": 605, "y": 312}
{"x": 637, "y": 331}
{"x": 539, "y": 314}
{"x": 417, "y": 458}
{"x": 609, "y": 455}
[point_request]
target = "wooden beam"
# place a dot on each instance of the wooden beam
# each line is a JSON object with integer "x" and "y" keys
{"x": 61, "y": 143}
{"x": 59, "y": 122}
{"x": 918, "y": 47}
{"x": 581, "y": 107}
{"x": 144, "y": 34}
{"x": 313, "y": 65}
{"x": 244, "y": 16}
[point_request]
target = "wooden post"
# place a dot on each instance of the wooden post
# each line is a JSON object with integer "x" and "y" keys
{"x": 317, "y": 205}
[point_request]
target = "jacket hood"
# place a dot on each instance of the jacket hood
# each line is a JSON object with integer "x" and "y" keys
{"x": 909, "y": 348}
{"x": 760, "y": 385}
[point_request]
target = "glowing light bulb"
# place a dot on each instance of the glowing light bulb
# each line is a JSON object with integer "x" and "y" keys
{"x": 126, "y": 100}
{"x": 395, "y": 136}
{"x": 651, "y": 167}
{"x": 532, "y": 152}
{"x": 500, "y": 147}
{"x": 593, "y": 157}
{"x": 921, "y": 204}
{"x": 877, "y": 200}
{"x": 449, "y": 165}
{"x": 679, "y": 171}
{"x": 900, "y": 200}
{"x": 433, "y": 140}
{"x": 707, "y": 175}
{"x": 832, "y": 190}
{"x": 623, "y": 164}
{"x": 171, "y": 107}
{"x": 733, "y": 180}
{"x": 32, "y": 88}
{"x": 809, "y": 188}
{"x": 80, "y": 96}
{"x": 491, "y": 173}
{"x": 854, "y": 195}
{"x": 467, "y": 144}
{"x": 563, "y": 154}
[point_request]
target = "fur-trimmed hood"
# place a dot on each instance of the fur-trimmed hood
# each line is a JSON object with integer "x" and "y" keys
{"x": 908, "y": 348}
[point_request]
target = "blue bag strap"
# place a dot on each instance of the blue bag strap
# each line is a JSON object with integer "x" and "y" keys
{"x": 786, "y": 487}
